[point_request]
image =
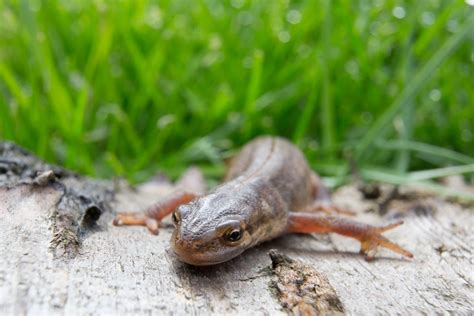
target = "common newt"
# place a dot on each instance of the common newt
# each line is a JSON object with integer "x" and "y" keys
{"x": 269, "y": 190}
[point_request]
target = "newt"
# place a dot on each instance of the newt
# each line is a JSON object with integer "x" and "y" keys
{"x": 269, "y": 191}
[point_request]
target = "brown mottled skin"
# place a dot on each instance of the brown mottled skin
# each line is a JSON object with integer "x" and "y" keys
{"x": 269, "y": 191}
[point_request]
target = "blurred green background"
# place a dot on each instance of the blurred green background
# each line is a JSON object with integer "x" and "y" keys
{"x": 127, "y": 88}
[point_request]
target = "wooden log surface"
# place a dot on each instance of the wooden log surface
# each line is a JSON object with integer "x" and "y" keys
{"x": 61, "y": 255}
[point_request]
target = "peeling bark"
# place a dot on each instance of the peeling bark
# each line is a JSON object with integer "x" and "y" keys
{"x": 301, "y": 289}
{"x": 82, "y": 200}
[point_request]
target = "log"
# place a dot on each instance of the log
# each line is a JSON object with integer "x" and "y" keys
{"x": 60, "y": 254}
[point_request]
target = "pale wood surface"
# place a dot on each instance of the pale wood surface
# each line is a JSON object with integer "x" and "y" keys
{"x": 122, "y": 270}
{"x": 127, "y": 270}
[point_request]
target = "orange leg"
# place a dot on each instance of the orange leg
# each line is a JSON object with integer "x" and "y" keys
{"x": 370, "y": 237}
{"x": 152, "y": 216}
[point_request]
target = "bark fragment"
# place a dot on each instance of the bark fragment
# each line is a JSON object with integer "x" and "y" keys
{"x": 301, "y": 289}
{"x": 81, "y": 203}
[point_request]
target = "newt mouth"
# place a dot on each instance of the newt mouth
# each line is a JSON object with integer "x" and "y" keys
{"x": 211, "y": 253}
{"x": 194, "y": 262}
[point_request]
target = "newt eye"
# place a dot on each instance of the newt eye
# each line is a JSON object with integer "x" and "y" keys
{"x": 176, "y": 218}
{"x": 233, "y": 235}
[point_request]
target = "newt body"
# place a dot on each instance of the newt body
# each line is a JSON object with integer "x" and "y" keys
{"x": 269, "y": 190}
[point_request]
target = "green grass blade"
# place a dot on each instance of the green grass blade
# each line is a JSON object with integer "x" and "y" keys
{"x": 327, "y": 104}
{"x": 440, "y": 172}
{"x": 408, "y": 110}
{"x": 308, "y": 113}
{"x": 445, "y": 153}
{"x": 253, "y": 88}
{"x": 15, "y": 89}
{"x": 387, "y": 177}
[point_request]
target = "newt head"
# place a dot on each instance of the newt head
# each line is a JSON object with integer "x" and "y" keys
{"x": 211, "y": 229}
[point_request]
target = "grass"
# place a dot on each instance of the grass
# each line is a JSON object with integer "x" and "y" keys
{"x": 127, "y": 88}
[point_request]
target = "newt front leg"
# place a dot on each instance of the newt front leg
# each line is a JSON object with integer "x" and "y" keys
{"x": 153, "y": 215}
{"x": 369, "y": 236}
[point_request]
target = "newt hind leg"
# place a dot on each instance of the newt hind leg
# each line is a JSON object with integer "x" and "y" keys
{"x": 370, "y": 237}
{"x": 322, "y": 199}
